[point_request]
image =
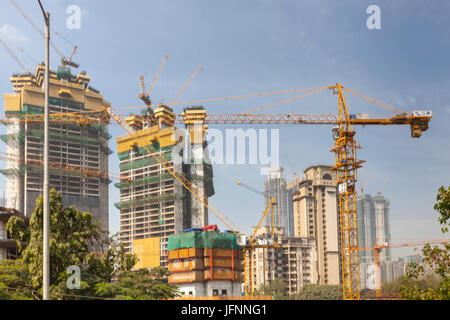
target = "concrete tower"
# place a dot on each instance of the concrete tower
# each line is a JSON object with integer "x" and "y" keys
{"x": 316, "y": 215}
{"x": 70, "y": 144}
{"x": 275, "y": 187}
{"x": 153, "y": 204}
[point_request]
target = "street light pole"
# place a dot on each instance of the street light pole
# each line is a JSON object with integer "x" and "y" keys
{"x": 46, "y": 218}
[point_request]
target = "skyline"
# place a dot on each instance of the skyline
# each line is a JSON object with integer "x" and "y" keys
{"x": 270, "y": 47}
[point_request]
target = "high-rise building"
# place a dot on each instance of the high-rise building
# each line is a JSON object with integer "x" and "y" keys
{"x": 275, "y": 187}
{"x": 84, "y": 147}
{"x": 153, "y": 204}
{"x": 316, "y": 215}
{"x": 373, "y": 226}
{"x": 294, "y": 261}
{"x": 291, "y": 187}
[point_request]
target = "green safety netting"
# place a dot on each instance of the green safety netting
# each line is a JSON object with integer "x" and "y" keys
{"x": 8, "y": 138}
{"x": 203, "y": 239}
{"x": 144, "y": 162}
{"x": 141, "y": 181}
{"x": 67, "y": 137}
{"x": 125, "y": 155}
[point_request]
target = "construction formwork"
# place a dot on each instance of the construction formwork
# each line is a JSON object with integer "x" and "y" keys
{"x": 71, "y": 144}
{"x": 203, "y": 263}
{"x": 153, "y": 201}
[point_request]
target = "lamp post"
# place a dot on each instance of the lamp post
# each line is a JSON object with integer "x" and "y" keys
{"x": 46, "y": 218}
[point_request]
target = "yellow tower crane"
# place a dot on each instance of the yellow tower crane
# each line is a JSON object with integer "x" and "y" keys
{"x": 346, "y": 162}
{"x": 253, "y": 244}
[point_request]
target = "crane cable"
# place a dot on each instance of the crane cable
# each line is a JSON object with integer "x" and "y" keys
{"x": 228, "y": 98}
{"x": 34, "y": 26}
{"x": 374, "y": 101}
{"x": 284, "y": 101}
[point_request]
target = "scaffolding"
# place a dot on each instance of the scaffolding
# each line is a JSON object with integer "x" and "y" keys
{"x": 139, "y": 202}
{"x": 142, "y": 181}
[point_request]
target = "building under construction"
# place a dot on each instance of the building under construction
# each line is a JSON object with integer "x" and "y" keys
{"x": 71, "y": 145}
{"x": 154, "y": 204}
{"x": 205, "y": 263}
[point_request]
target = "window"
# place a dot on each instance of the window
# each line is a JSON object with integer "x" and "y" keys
{"x": 215, "y": 292}
{"x": 224, "y": 292}
{"x": 326, "y": 177}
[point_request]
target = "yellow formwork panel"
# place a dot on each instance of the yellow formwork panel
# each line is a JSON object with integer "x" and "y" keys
{"x": 221, "y": 252}
{"x": 144, "y": 137}
{"x": 223, "y": 274}
{"x": 186, "y": 277}
{"x": 148, "y": 252}
{"x": 188, "y": 265}
{"x": 223, "y": 263}
{"x": 185, "y": 253}
{"x": 12, "y": 101}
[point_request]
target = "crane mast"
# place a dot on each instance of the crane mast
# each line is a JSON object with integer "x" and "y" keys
{"x": 346, "y": 165}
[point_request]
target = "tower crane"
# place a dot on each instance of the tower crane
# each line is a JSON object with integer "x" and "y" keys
{"x": 246, "y": 186}
{"x": 64, "y": 61}
{"x": 68, "y": 62}
{"x": 377, "y": 250}
{"x": 253, "y": 244}
{"x": 199, "y": 68}
{"x": 345, "y": 147}
{"x": 145, "y": 95}
{"x": 384, "y": 184}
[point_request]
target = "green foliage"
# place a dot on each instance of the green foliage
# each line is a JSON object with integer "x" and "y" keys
{"x": 443, "y": 207}
{"x": 319, "y": 292}
{"x": 276, "y": 288}
{"x": 19, "y": 231}
{"x": 159, "y": 273}
{"x": 105, "y": 273}
{"x": 135, "y": 285}
{"x": 13, "y": 281}
{"x": 71, "y": 234}
{"x": 393, "y": 289}
{"x": 430, "y": 280}
{"x": 434, "y": 284}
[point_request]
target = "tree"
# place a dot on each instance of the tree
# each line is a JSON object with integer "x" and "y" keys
{"x": 72, "y": 234}
{"x": 319, "y": 292}
{"x": 430, "y": 280}
{"x": 443, "y": 207}
{"x": 138, "y": 285}
{"x": 14, "y": 281}
{"x": 159, "y": 273}
{"x": 276, "y": 288}
{"x": 104, "y": 273}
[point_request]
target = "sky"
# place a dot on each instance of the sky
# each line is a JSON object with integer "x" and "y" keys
{"x": 248, "y": 47}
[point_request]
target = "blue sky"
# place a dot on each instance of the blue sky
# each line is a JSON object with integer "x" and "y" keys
{"x": 260, "y": 46}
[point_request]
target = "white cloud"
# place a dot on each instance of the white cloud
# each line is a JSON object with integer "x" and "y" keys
{"x": 11, "y": 34}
